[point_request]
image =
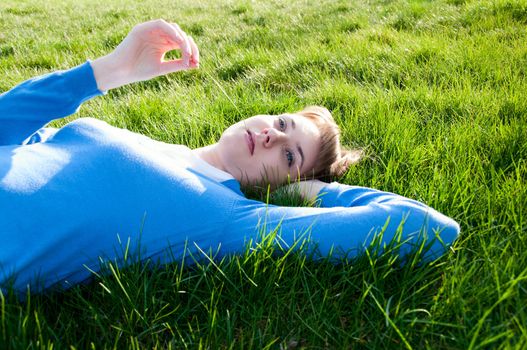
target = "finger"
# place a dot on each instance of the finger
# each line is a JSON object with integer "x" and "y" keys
{"x": 186, "y": 49}
{"x": 173, "y": 66}
{"x": 175, "y": 35}
{"x": 194, "y": 58}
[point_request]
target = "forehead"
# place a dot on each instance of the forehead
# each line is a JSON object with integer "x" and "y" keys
{"x": 305, "y": 136}
{"x": 303, "y": 124}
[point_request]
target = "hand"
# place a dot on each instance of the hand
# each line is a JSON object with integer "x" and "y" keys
{"x": 308, "y": 189}
{"x": 140, "y": 55}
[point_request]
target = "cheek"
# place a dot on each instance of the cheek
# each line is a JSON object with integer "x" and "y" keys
{"x": 271, "y": 166}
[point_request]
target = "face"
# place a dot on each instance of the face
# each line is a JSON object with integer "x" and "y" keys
{"x": 269, "y": 148}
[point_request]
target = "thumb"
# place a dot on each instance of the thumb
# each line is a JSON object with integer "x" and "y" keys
{"x": 173, "y": 66}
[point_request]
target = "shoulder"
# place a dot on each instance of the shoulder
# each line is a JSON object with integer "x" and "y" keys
{"x": 94, "y": 129}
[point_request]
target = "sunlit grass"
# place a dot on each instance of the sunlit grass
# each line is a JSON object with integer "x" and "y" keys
{"x": 433, "y": 91}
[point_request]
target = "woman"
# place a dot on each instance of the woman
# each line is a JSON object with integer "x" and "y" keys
{"x": 87, "y": 191}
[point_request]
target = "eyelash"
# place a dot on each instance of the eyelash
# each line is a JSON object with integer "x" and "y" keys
{"x": 288, "y": 154}
{"x": 282, "y": 123}
{"x": 289, "y": 161}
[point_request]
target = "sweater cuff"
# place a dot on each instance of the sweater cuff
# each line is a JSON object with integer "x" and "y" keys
{"x": 86, "y": 85}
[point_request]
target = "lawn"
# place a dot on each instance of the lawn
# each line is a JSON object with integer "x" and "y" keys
{"x": 433, "y": 91}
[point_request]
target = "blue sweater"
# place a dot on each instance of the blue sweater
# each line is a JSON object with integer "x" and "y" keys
{"x": 88, "y": 190}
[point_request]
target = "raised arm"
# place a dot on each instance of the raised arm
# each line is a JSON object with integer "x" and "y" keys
{"x": 35, "y": 102}
{"x": 140, "y": 56}
{"x": 349, "y": 220}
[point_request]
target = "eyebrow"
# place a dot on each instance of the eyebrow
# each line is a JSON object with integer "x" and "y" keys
{"x": 293, "y": 124}
{"x": 301, "y": 155}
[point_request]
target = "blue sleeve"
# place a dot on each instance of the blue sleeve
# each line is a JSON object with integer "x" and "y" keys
{"x": 37, "y": 101}
{"x": 350, "y": 219}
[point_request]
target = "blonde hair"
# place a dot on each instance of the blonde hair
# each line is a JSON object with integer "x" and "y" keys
{"x": 332, "y": 160}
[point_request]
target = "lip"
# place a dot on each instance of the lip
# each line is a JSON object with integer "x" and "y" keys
{"x": 250, "y": 141}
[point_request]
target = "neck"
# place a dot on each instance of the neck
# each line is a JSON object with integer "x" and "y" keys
{"x": 209, "y": 154}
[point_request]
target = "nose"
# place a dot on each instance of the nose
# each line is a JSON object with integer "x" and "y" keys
{"x": 270, "y": 136}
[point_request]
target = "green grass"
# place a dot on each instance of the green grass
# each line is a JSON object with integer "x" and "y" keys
{"x": 433, "y": 90}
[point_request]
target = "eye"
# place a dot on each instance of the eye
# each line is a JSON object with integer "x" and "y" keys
{"x": 290, "y": 157}
{"x": 282, "y": 123}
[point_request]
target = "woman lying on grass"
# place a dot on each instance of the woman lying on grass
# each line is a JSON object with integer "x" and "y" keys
{"x": 72, "y": 196}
